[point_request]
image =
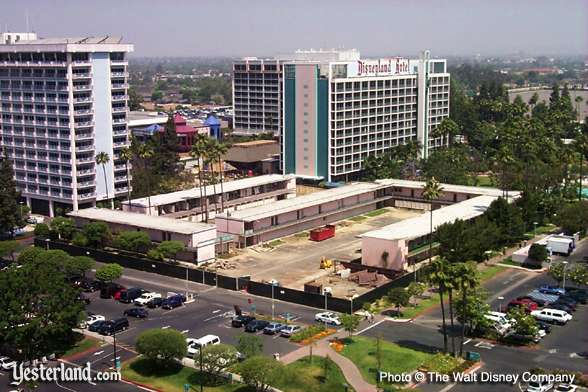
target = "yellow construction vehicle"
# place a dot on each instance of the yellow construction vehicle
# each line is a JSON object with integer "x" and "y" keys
{"x": 326, "y": 263}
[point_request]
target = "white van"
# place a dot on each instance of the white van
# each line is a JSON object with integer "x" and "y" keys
{"x": 500, "y": 322}
{"x": 194, "y": 345}
{"x": 552, "y": 316}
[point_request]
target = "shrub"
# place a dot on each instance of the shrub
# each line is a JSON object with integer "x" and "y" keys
{"x": 42, "y": 230}
{"x": 307, "y": 333}
{"x": 64, "y": 227}
{"x": 162, "y": 345}
{"x": 538, "y": 252}
{"x": 97, "y": 233}
{"x": 79, "y": 239}
{"x": 29, "y": 254}
{"x": 109, "y": 272}
{"x": 136, "y": 241}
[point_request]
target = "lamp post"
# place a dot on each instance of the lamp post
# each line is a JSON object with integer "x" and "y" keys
{"x": 500, "y": 303}
{"x": 47, "y": 243}
{"x": 565, "y": 264}
{"x": 114, "y": 345}
{"x": 534, "y": 229}
{"x": 21, "y": 203}
{"x": 201, "y": 372}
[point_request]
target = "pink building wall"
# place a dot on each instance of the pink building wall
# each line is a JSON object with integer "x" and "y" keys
{"x": 306, "y": 119}
{"x": 373, "y": 248}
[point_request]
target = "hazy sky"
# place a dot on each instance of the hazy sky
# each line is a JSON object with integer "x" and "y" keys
{"x": 266, "y": 27}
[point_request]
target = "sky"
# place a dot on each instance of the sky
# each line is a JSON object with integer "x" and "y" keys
{"x": 161, "y": 28}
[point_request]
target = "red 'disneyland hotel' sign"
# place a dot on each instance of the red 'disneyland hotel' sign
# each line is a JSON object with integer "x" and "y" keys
{"x": 381, "y": 67}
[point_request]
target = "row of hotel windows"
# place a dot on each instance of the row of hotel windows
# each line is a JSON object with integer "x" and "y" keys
{"x": 373, "y": 84}
{"x": 256, "y": 67}
{"x": 53, "y": 56}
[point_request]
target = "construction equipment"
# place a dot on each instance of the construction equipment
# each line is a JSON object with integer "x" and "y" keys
{"x": 326, "y": 263}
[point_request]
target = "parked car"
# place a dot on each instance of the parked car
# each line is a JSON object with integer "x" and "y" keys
{"x": 131, "y": 294}
{"x": 539, "y": 302}
{"x": 544, "y": 326}
{"x": 290, "y": 330}
{"x": 561, "y": 306}
{"x": 328, "y": 318}
{"x": 181, "y": 297}
{"x": 565, "y": 388}
{"x": 91, "y": 319}
{"x": 577, "y": 296}
{"x": 576, "y": 289}
{"x": 239, "y": 321}
{"x": 566, "y": 299}
{"x": 83, "y": 298}
{"x": 256, "y": 325}
{"x": 500, "y": 322}
{"x": 6, "y": 363}
{"x": 539, "y": 386}
{"x": 273, "y": 328}
{"x": 195, "y": 345}
{"x": 113, "y": 326}
{"x": 95, "y": 327}
{"x": 526, "y": 304}
{"x": 146, "y": 297}
{"x": 552, "y": 290}
{"x": 136, "y": 312}
{"x": 171, "y": 303}
{"x": 110, "y": 289}
{"x": 89, "y": 285}
{"x": 155, "y": 302}
{"x": 118, "y": 294}
{"x": 552, "y": 316}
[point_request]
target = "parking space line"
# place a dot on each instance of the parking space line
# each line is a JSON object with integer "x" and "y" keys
{"x": 185, "y": 331}
{"x": 166, "y": 327}
{"x": 98, "y": 352}
{"x": 467, "y": 341}
{"x": 216, "y": 311}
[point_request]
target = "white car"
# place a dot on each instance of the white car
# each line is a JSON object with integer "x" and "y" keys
{"x": 194, "y": 345}
{"x": 539, "y": 386}
{"x": 328, "y": 317}
{"x": 565, "y": 388}
{"x": 146, "y": 297}
{"x": 290, "y": 330}
{"x": 552, "y": 316}
{"x": 93, "y": 318}
{"x": 6, "y": 363}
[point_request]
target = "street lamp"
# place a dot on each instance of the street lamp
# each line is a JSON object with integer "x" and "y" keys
{"x": 534, "y": 229}
{"x": 273, "y": 300}
{"x": 500, "y": 303}
{"x": 565, "y": 264}
{"x": 47, "y": 243}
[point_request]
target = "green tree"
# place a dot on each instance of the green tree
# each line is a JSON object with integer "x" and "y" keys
{"x": 97, "y": 233}
{"x": 399, "y": 297}
{"x": 524, "y": 324}
{"x": 471, "y": 312}
{"x": 415, "y": 290}
{"x": 258, "y": 372}
{"x": 64, "y": 227}
{"x": 109, "y": 272}
{"x": 249, "y": 345}
{"x": 157, "y": 95}
{"x": 573, "y": 217}
{"x": 79, "y": 239}
{"x": 439, "y": 277}
{"x": 38, "y": 307}
{"x": 579, "y": 274}
{"x": 42, "y": 230}
{"x": 135, "y": 241}
{"x": 126, "y": 155}
{"x": 162, "y": 346}
{"x": 102, "y": 158}
{"x": 556, "y": 270}
{"x": 167, "y": 249}
{"x": 9, "y": 248}
{"x": 447, "y": 128}
{"x": 165, "y": 157}
{"x": 10, "y": 213}
{"x": 217, "y": 357}
{"x": 538, "y": 253}
{"x": 135, "y": 100}
{"x": 79, "y": 265}
{"x": 467, "y": 282}
{"x": 29, "y": 254}
{"x": 350, "y": 322}
{"x": 145, "y": 153}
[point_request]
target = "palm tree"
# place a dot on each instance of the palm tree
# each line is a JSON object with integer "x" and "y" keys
{"x": 145, "y": 152}
{"x": 439, "y": 277}
{"x": 578, "y": 99}
{"x": 212, "y": 153}
{"x": 199, "y": 153}
{"x": 431, "y": 191}
{"x": 102, "y": 159}
{"x": 126, "y": 154}
{"x": 467, "y": 280}
{"x": 221, "y": 150}
{"x": 582, "y": 148}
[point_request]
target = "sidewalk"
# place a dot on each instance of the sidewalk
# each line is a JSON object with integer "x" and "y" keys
{"x": 322, "y": 349}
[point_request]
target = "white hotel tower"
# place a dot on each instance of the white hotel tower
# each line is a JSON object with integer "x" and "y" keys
{"x": 62, "y": 102}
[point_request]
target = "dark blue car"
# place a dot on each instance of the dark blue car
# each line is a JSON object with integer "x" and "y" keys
{"x": 136, "y": 312}
{"x": 551, "y": 290}
{"x": 172, "y": 302}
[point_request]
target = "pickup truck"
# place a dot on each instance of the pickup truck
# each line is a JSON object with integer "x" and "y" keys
{"x": 146, "y": 297}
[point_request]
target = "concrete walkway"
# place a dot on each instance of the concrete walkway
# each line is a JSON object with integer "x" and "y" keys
{"x": 322, "y": 349}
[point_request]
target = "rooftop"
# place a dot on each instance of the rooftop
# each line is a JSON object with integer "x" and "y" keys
{"x": 72, "y": 40}
{"x": 474, "y": 190}
{"x": 255, "y": 143}
{"x": 138, "y": 118}
{"x": 419, "y": 226}
{"x": 297, "y": 203}
{"x": 70, "y": 44}
{"x": 142, "y": 221}
{"x": 194, "y": 193}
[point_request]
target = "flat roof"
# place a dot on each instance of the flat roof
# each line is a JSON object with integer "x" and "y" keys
{"x": 104, "y": 43}
{"x": 299, "y": 202}
{"x": 194, "y": 193}
{"x": 142, "y": 221}
{"x": 419, "y": 225}
{"x": 474, "y": 190}
{"x": 138, "y": 118}
{"x": 254, "y": 143}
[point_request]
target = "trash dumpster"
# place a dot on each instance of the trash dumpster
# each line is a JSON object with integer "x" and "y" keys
{"x": 322, "y": 233}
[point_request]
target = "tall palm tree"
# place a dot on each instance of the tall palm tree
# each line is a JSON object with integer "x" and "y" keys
{"x": 431, "y": 191}
{"x": 439, "y": 278}
{"x": 582, "y": 148}
{"x": 578, "y": 99}
{"x": 221, "y": 150}
{"x": 199, "y": 153}
{"x": 468, "y": 280}
{"x": 102, "y": 159}
{"x": 212, "y": 153}
{"x": 145, "y": 153}
{"x": 126, "y": 154}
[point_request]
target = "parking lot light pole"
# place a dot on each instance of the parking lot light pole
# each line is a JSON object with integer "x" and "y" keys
{"x": 500, "y": 303}
{"x": 534, "y": 229}
{"x": 273, "y": 302}
{"x": 114, "y": 346}
{"x": 565, "y": 264}
{"x": 201, "y": 373}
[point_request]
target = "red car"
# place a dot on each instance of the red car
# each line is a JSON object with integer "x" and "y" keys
{"x": 116, "y": 295}
{"x": 526, "y": 304}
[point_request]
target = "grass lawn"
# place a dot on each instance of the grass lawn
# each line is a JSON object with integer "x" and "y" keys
{"x": 82, "y": 344}
{"x": 377, "y": 212}
{"x": 303, "y": 376}
{"x": 488, "y": 272}
{"x": 394, "y": 358}
{"x": 275, "y": 243}
{"x": 548, "y": 228}
{"x": 303, "y": 234}
{"x": 359, "y": 218}
{"x": 481, "y": 181}
{"x": 172, "y": 379}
